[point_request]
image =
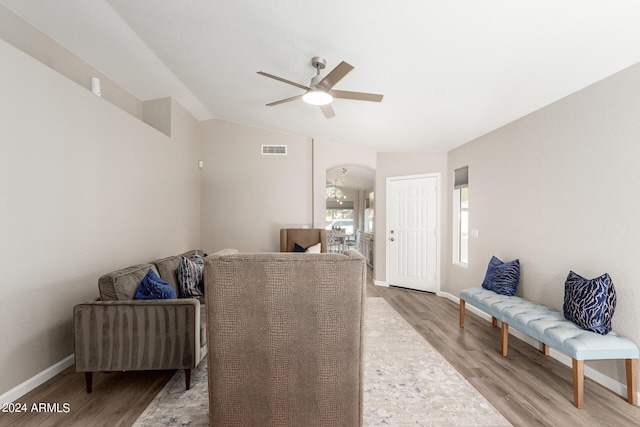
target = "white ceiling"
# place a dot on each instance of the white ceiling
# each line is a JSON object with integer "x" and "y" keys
{"x": 450, "y": 71}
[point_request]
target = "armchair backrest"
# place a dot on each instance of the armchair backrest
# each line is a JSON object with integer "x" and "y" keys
{"x": 285, "y": 336}
{"x": 304, "y": 237}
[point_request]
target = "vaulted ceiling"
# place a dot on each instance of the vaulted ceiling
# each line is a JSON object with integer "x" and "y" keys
{"x": 450, "y": 71}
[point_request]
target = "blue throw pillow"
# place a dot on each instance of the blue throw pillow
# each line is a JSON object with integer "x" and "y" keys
{"x": 153, "y": 287}
{"x": 298, "y": 248}
{"x": 502, "y": 277}
{"x": 590, "y": 304}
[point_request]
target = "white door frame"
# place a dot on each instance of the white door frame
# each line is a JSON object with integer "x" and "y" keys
{"x": 438, "y": 225}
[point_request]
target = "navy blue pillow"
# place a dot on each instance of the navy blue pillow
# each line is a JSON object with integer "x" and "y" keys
{"x": 502, "y": 277}
{"x": 298, "y": 248}
{"x": 153, "y": 287}
{"x": 590, "y": 304}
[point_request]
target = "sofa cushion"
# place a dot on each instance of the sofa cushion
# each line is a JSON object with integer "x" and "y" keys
{"x": 153, "y": 287}
{"x": 590, "y": 304}
{"x": 190, "y": 276}
{"x": 123, "y": 284}
{"x": 168, "y": 269}
{"x": 502, "y": 277}
{"x": 203, "y": 327}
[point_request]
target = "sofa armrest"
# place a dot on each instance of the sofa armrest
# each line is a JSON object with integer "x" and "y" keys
{"x": 137, "y": 335}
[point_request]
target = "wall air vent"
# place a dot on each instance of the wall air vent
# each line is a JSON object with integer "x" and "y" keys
{"x": 274, "y": 150}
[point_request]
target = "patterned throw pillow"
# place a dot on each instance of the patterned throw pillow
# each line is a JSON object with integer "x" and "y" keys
{"x": 502, "y": 277}
{"x": 190, "y": 276}
{"x": 153, "y": 287}
{"x": 590, "y": 304}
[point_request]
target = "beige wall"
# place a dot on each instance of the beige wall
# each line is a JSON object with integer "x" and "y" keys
{"x": 26, "y": 37}
{"x": 558, "y": 190}
{"x": 246, "y": 196}
{"x": 402, "y": 164}
{"x": 85, "y": 188}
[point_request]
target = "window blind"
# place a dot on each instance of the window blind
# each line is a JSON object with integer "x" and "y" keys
{"x": 461, "y": 179}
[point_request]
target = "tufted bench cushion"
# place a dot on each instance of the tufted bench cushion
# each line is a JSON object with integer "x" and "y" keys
{"x": 551, "y": 328}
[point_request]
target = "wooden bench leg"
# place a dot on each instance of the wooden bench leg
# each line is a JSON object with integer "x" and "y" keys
{"x": 578, "y": 383}
{"x": 632, "y": 381}
{"x": 545, "y": 349}
{"x": 504, "y": 340}
{"x": 494, "y": 321}
{"x": 462, "y": 303}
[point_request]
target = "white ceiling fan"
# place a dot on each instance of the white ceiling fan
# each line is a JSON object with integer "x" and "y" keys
{"x": 320, "y": 91}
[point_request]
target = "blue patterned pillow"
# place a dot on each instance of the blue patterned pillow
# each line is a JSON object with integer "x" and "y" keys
{"x": 153, "y": 287}
{"x": 190, "y": 276}
{"x": 502, "y": 277}
{"x": 590, "y": 303}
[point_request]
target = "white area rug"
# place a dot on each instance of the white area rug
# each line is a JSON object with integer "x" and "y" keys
{"x": 407, "y": 382}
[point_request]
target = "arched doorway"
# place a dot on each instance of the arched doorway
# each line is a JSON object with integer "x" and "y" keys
{"x": 350, "y": 204}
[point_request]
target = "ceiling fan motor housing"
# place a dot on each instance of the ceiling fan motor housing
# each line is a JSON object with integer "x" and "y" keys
{"x": 318, "y": 62}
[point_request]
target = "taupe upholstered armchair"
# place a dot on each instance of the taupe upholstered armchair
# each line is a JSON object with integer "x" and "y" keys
{"x": 304, "y": 237}
{"x": 285, "y": 334}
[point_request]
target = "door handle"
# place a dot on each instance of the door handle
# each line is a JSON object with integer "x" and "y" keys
{"x": 392, "y": 239}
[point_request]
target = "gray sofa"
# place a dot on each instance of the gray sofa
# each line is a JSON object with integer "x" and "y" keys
{"x": 285, "y": 338}
{"x": 119, "y": 333}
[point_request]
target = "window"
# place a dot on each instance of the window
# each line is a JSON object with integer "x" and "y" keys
{"x": 369, "y": 213}
{"x": 339, "y": 210}
{"x": 461, "y": 216}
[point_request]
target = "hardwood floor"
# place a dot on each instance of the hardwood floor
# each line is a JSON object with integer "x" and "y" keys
{"x": 118, "y": 399}
{"x": 526, "y": 387}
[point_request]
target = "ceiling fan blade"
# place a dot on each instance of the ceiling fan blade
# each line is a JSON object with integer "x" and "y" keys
{"x": 262, "y": 73}
{"x": 359, "y": 96}
{"x": 327, "y": 110}
{"x": 330, "y": 80}
{"x": 282, "y": 101}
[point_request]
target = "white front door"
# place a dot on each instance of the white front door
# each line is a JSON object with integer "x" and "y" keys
{"x": 412, "y": 233}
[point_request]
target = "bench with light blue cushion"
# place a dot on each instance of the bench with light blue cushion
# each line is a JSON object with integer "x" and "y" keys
{"x": 550, "y": 327}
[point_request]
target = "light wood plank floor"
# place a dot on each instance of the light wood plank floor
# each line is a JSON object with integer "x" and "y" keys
{"x": 526, "y": 387}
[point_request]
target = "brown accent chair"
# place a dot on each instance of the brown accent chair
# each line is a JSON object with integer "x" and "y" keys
{"x": 285, "y": 334}
{"x": 305, "y": 237}
{"x": 119, "y": 333}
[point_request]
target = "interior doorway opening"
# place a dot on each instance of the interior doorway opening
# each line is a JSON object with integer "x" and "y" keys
{"x": 350, "y": 209}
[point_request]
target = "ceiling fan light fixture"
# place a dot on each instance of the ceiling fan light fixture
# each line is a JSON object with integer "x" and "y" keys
{"x": 317, "y": 97}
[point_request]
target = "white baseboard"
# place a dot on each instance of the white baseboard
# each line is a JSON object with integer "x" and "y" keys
{"x": 448, "y": 296}
{"x": 602, "y": 379}
{"x": 380, "y": 283}
{"x": 33, "y": 382}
